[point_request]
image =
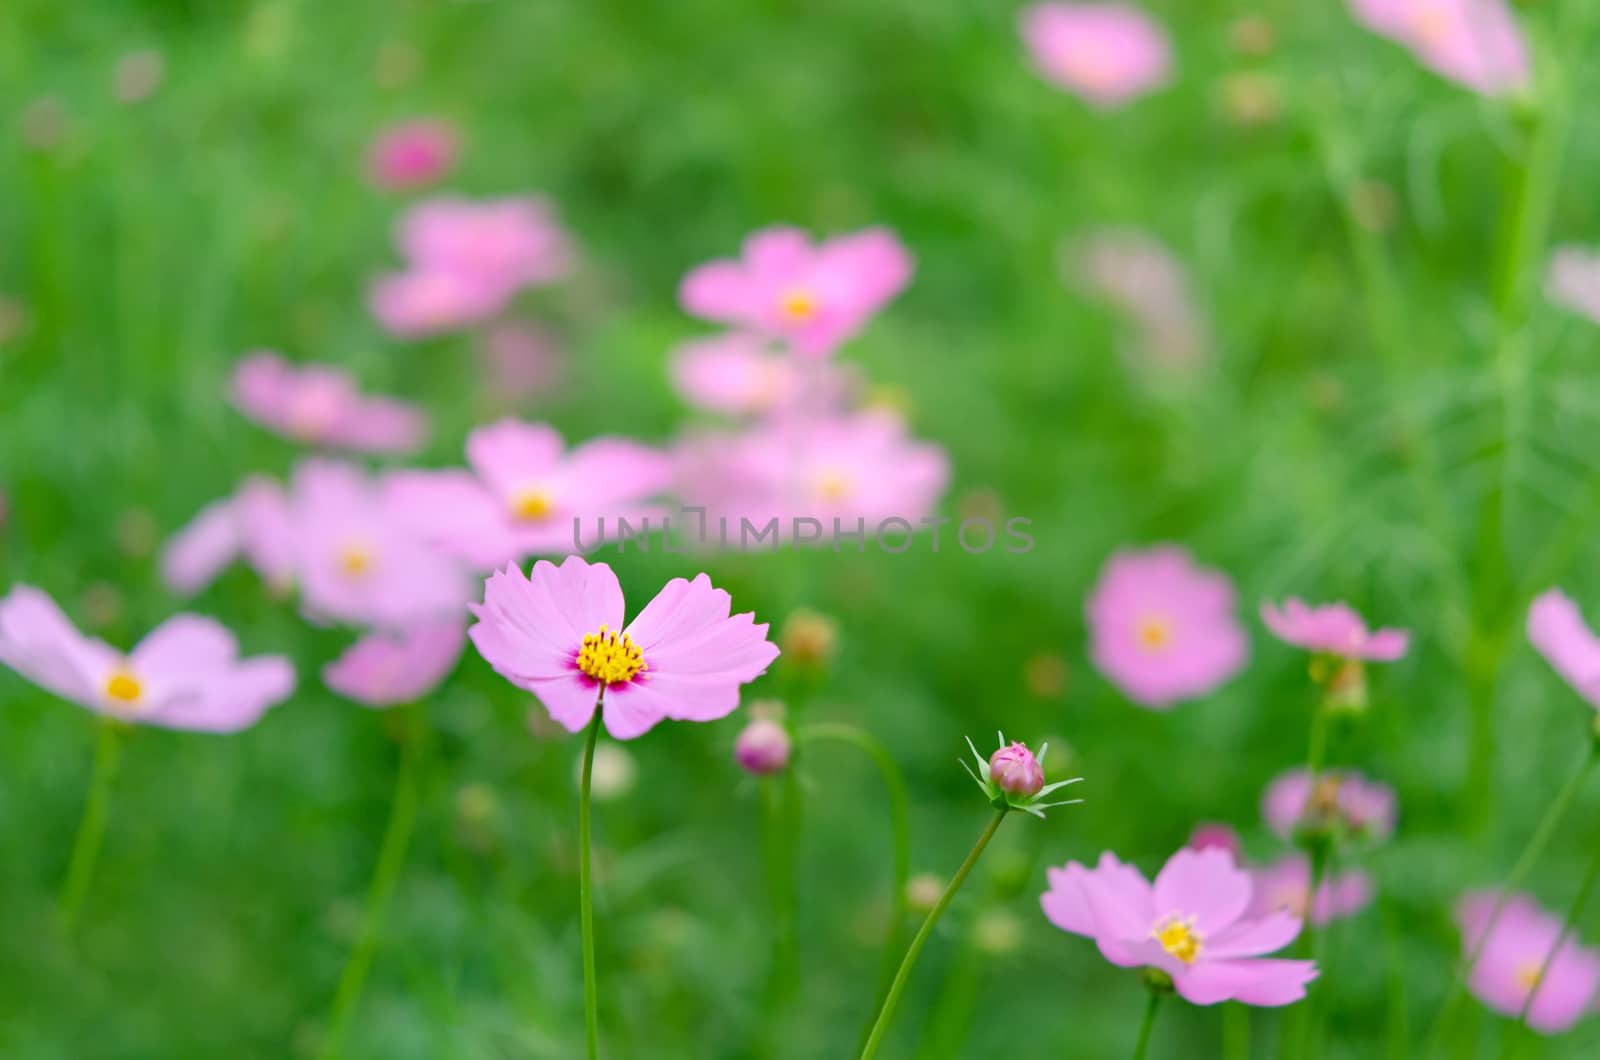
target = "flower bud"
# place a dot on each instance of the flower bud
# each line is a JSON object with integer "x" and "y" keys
{"x": 923, "y": 891}
{"x": 808, "y": 638}
{"x": 763, "y": 747}
{"x": 1209, "y": 835}
{"x": 1015, "y": 771}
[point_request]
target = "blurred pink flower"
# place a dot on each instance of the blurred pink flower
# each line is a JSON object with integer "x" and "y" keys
{"x": 1512, "y": 962}
{"x": 859, "y": 469}
{"x": 1193, "y": 924}
{"x": 138, "y": 75}
{"x": 1163, "y": 629}
{"x": 186, "y": 674}
{"x": 511, "y": 243}
{"x": 253, "y": 523}
{"x": 1572, "y": 280}
{"x": 814, "y": 296}
{"x": 1364, "y": 809}
{"x": 358, "y": 559}
{"x": 1108, "y": 54}
{"x": 525, "y": 494}
{"x": 1213, "y": 836}
{"x": 1473, "y": 42}
{"x": 1281, "y": 888}
{"x": 1557, "y": 631}
{"x": 320, "y": 405}
{"x": 520, "y": 360}
{"x": 559, "y": 634}
{"x": 1138, "y": 274}
{"x": 390, "y": 667}
{"x": 412, "y": 154}
{"x": 740, "y": 375}
{"x": 1333, "y": 629}
{"x": 424, "y": 302}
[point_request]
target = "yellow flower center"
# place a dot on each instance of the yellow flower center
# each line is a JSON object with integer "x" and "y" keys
{"x": 531, "y": 505}
{"x": 1154, "y": 632}
{"x": 833, "y": 486}
{"x": 355, "y": 559}
{"x": 1529, "y": 974}
{"x": 1431, "y": 24}
{"x": 610, "y": 658}
{"x": 1179, "y": 938}
{"x": 798, "y": 305}
{"x": 1324, "y": 798}
{"x": 123, "y": 687}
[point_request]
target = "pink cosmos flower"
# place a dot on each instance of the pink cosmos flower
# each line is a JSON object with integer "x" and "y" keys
{"x": 1572, "y": 280}
{"x": 253, "y": 523}
{"x": 559, "y": 634}
{"x": 739, "y": 375}
{"x": 858, "y": 470}
{"x": 318, "y": 404}
{"x": 1282, "y": 887}
{"x": 813, "y": 296}
{"x": 1512, "y": 962}
{"x": 1193, "y": 924}
{"x": 412, "y": 154}
{"x": 514, "y": 242}
{"x": 524, "y": 492}
{"x": 390, "y": 667}
{"x": 1109, "y": 54}
{"x": 424, "y": 302}
{"x": 1557, "y": 631}
{"x": 358, "y": 559}
{"x": 1364, "y": 809}
{"x": 1473, "y": 42}
{"x": 1163, "y": 629}
{"x": 186, "y": 674}
{"x": 1333, "y": 629}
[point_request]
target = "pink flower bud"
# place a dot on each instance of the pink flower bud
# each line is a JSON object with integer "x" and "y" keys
{"x": 763, "y": 747}
{"x": 1015, "y": 771}
{"x": 1208, "y": 835}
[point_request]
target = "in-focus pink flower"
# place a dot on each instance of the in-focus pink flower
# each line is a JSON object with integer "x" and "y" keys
{"x": 1572, "y": 280}
{"x": 1163, "y": 629}
{"x": 412, "y": 154}
{"x": 1193, "y": 924}
{"x": 1363, "y": 809}
{"x": 254, "y": 523}
{"x": 1557, "y": 631}
{"x": 1281, "y": 888}
{"x": 763, "y": 747}
{"x": 357, "y": 557}
{"x": 390, "y": 667}
{"x": 1213, "y": 836}
{"x": 740, "y": 375}
{"x": 1475, "y": 43}
{"x": 1333, "y": 629}
{"x": 320, "y": 405}
{"x": 858, "y": 470}
{"x": 186, "y": 674}
{"x": 1108, "y": 54}
{"x": 1511, "y": 962}
{"x": 524, "y": 493}
{"x": 559, "y": 634}
{"x": 814, "y": 296}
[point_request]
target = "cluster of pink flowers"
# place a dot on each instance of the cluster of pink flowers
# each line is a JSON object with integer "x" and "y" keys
{"x": 319, "y": 405}
{"x": 465, "y": 260}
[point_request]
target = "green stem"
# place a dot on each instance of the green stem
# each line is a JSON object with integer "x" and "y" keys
{"x": 92, "y": 827}
{"x": 899, "y": 826}
{"x": 385, "y": 876}
{"x": 1524, "y": 864}
{"x": 1568, "y": 926}
{"x": 1148, "y": 1026}
{"x": 886, "y": 1013}
{"x": 591, "y": 1010}
{"x": 1236, "y": 1031}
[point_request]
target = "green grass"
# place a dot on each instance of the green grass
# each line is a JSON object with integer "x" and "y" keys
{"x": 1352, "y": 441}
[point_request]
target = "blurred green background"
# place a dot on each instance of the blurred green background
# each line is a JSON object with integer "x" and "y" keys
{"x": 1394, "y": 417}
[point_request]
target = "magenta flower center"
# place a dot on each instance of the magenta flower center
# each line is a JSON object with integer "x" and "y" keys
{"x": 798, "y": 305}
{"x": 1178, "y": 937}
{"x": 531, "y": 504}
{"x": 610, "y": 658}
{"x": 1154, "y": 632}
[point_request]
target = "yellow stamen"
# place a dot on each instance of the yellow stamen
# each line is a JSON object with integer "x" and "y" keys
{"x": 610, "y": 658}
{"x": 531, "y": 505}
{"x": 1154, "y": 632}
{"x": 123, "y": 687}
{"x": 1528, "y": 975}
{"x": 1179, "y": 938}
{"x": 798, "y": 305}
{"x": 355, "y": 559}
{"x": 833, "y": 486}
{"x": 1324, "y": 799}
